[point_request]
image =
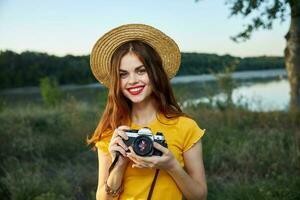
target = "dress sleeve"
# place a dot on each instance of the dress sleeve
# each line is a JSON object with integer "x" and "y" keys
{"x": 103, "y": 143}
{"x": 193, "y": 135}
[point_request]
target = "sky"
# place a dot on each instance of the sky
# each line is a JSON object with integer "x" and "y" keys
{"x": 62, "y": 27}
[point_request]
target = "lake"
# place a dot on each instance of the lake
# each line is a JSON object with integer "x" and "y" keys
{"x": 264, "y": 96}
{"x": 264, "y": 90}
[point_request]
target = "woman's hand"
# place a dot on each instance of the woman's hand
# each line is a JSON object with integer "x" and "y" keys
{"x": 117, "y": 145}
{"x": 167, "y": 161}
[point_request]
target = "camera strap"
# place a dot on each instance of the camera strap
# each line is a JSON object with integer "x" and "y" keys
{"x": 114, "y": 162}
{"x": 152, "y": 184}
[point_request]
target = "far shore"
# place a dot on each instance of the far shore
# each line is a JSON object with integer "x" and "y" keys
{"x": 244, "y": 75}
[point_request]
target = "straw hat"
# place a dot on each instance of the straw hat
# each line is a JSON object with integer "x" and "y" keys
{"x": 104, "y": 48}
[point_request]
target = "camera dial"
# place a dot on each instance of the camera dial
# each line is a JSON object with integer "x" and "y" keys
{"x": 145, "y": 131}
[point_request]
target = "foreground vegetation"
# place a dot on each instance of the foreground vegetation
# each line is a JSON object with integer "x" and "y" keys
{"x": 247, "y": 155}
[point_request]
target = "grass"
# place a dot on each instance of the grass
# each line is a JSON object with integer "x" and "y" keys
{"x": 247, "y": 155}
{"x": 251, "y": 155}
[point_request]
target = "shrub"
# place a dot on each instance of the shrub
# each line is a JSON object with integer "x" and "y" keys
{"x": 50, "y": 92}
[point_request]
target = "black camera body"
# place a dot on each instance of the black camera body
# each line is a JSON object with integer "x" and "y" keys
{"x": 142, "y": 140}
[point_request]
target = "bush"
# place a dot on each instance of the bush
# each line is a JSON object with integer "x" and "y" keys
{"x": 50, "y": 92}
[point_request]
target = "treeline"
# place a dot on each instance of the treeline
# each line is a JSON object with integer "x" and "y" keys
{"x": 199, "y": 63}
{"x": 27, "y": 68}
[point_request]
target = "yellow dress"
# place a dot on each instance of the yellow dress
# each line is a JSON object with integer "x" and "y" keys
{"x": 180, "y": 134}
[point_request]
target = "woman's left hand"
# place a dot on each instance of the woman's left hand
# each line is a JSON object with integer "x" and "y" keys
{"x": 167, "y": 161}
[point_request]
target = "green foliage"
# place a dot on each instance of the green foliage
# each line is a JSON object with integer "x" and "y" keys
{"x": 263, "y": 14}
{"x": 247, "y": 155}
{"x": 2, "y": 104}
{"x": 27, "y": 68}
{"x": 50, "y": 196}
{"x": 195, "y": 63}
{"x": 226, "y": 85}
{"x": 260, "y": 189}
{"x": 50, "y": 92}
{"x": 44, "y": 155}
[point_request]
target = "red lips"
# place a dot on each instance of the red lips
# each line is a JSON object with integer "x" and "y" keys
{"x": 135, "y": 90}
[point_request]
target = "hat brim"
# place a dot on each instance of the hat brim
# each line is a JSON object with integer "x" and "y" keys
{"x": 101, "y": 55}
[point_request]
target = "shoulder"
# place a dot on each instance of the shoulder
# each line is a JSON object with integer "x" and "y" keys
{"x": 181, "y": 123}
{"x": 189, "y": 127}
{"x": 186, "y": 122}
{"x": 190, "y": 132}
{"x": 185, "y": 119}
{"x": 176, "y": 120}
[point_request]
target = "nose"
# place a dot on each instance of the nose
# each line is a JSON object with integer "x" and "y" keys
{"x": 132, "y": 79}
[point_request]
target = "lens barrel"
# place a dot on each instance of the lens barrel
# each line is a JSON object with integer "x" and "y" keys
{"x": 143, "y": 145}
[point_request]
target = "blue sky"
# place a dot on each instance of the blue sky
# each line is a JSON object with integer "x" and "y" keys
{"x": 63, "y": 27}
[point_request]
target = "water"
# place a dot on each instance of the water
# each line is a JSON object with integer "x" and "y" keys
{"x": 273, "y": 95}
{"x": 264, "y": 96}
{"x": 261, "y": 74}
{"x": 265, "y": 90}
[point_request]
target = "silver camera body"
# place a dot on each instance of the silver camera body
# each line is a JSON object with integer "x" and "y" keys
{"x": 142, "y": 140}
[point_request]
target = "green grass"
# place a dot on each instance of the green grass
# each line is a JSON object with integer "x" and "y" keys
{"x": 247, "y": 155}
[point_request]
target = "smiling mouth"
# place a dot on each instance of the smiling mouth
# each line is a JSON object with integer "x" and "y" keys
{"x": 135, "y": 90}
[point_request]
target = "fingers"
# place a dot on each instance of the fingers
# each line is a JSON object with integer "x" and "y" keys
{"x": 116, "y": 148}
{"x": 117, "y": 144}
{"x": 123, "y": 127}
{"x": 139, "y": 166}
{"x": 119, "y": 141}
{"x": 120, "y": 132}
{"x": 137, "y": 163}
{"x": 132, "y": 155}
{"x": 160, "y": 148}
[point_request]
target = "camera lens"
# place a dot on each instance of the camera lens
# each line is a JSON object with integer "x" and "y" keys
{"x": 143, "y": 145}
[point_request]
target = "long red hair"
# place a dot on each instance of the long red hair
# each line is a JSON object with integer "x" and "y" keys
{"x": 118, "y": 108}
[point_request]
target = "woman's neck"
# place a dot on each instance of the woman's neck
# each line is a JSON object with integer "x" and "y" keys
{"x": 144, "y": 112}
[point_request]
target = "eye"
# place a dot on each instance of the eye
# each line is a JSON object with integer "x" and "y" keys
{"x": 123, "y": 74}
{"x": 141, "y": 71}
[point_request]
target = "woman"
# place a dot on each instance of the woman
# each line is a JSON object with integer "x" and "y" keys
{"x": 135, "y": 62}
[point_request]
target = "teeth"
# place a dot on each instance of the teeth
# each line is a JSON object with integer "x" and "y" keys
{"x": 135, "y": 89}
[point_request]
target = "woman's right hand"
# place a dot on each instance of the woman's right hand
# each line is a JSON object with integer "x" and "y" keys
{"x": 117, "y": 145}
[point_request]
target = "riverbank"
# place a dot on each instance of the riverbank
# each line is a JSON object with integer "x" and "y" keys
{"x": 244, "y": 75}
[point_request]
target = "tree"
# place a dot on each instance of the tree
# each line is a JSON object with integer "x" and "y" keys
{"x": 263, "y": 13}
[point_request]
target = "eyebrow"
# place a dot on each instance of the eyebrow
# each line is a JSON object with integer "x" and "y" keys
{"x": 137, "y": 68}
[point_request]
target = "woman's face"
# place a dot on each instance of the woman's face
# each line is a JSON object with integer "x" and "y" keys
{"x": 135, "y": 83}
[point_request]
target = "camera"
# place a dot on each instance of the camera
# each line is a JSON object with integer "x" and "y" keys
{"x": 142, "y": 140}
